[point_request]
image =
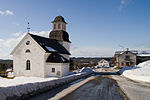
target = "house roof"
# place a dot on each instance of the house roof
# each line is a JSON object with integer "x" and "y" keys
{"x": 128, "y": 52}
{"x": 56, "y": 58}
{"x": 103, "y": 60}
{"x": 121, "y": 52}
{"x": 49, "y": 45}
{"x": 118, "y": 53}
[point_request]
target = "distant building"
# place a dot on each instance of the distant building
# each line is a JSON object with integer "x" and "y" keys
{"x": 103, "y": 63}
{"x": 43, "y": 57}
{"x": 125, "y": 58}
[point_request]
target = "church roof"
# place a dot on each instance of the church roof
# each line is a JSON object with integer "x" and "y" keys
{"x": 59, "y": 35}
{"x": 56, "y": 58}
{"x": 49, "y": 45}
{"x": 59, "y": 19}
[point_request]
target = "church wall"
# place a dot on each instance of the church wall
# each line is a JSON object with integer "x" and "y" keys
{"x": 65, "y": 69}
{"x": 48, "y": 69}
{"x": 65, "y": 44}
{"x": 36, "y": 57}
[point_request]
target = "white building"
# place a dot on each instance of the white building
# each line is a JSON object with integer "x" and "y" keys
{"x": 43, "y": 57}
{"x": 103, "y": 63}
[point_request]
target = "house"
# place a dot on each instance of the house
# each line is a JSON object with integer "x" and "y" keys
{"x": 103, "y": 63}
{"x": 125, "y": 58}
{"x": 38, "y": 56}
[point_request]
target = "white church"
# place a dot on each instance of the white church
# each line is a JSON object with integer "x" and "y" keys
{"x": 38, "y": 56}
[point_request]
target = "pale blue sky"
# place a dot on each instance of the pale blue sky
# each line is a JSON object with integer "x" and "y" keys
{"x": 96, "y": 27}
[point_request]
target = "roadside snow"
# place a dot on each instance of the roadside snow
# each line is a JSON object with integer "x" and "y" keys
{"x": 140, "y": 73}
{"x": 86, "y": 69}
{"x": 22, "y": 80}
{"x": 22, "y": 86}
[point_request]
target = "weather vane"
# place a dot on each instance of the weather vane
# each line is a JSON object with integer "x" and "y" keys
{"x": 59, "y": 11}
{"x": 28, "y": 28}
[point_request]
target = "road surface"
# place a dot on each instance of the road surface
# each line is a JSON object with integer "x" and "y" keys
{"x": 135, "y": 90}
{"x": 100, "y": 88}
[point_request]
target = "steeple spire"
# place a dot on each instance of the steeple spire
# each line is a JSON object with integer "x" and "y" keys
{"x": 28, "y": 28}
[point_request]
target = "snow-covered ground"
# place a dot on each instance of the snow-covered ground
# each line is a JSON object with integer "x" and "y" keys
{"x": 4, "y": 82}
{"x": 140, "y": 73}
{"x": 20, "y": 86}
{"x": 22, "y": 80}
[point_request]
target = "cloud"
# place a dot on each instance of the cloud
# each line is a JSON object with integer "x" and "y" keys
{"x": 41, "y": 33}
{"x": 15, "y": 23}
{"x": 90, "y": 51}
{"x": 6, "y": 12}
{"x": 7, "y": 45}
{"x": 143, "y": 46}
{"x": 17, "y": 34}
{"x": 122, "y": 3}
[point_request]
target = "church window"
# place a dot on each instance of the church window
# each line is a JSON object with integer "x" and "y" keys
{"x": 54, "y": 26}
{"x": 53, "y": 70}
{"x": 58, "y": 26}
{"x": 28, "y": 42}
{"x": 28, "y": 65}
{"x": 27, "y": 51}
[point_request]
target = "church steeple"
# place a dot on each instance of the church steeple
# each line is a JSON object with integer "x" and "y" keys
{"x": 59, "y": 30}
{"x": 59, "y": 23}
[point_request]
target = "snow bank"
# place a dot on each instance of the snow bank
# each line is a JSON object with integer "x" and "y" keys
{"x": 140, "y": 73}
{"x": 86, "y": 69}
{"x": 21, "y": 87}
{"x": 22, "y": 80}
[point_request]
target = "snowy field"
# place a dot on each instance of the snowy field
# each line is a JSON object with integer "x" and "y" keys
{"x": 140, "y": 73}
{"x": 22, "y": 80}
{"x": 4, "y": 82}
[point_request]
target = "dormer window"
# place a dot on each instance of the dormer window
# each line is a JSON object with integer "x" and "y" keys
{"x": 28, "y": 42}
{"x": 27, "y": 51}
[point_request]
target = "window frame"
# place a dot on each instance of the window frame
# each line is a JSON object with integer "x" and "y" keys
{"x": 28, "y": 42}
{"x": 54, "y": 26}
{"x": 53, "y": 70}
{"x": 59, "y": 26}
{"x": 28, "y": 51}
{"x": 28, "y": 65}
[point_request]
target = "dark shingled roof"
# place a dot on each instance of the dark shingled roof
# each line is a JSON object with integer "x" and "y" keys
{"x": 49, "y": 45}
{"x": 59, "y": 19}
{"x": 56, "y": 58}
{"x": 59, "y": 35}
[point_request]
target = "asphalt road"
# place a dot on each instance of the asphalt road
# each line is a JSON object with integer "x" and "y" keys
{"x": 100, "y": 88}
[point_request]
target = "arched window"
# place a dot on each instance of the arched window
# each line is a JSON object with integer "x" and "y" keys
{"x": 58, "y": 26}
{"x": 28, "y": 65}
{"x": 54, "y": 26}
{"x": 27, "y": 51}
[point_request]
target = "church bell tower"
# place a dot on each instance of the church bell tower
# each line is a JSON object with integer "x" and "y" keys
{"x": 59, "y": 32}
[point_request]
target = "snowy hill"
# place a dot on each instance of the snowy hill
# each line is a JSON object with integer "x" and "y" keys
{"x": 141, "y": 72}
